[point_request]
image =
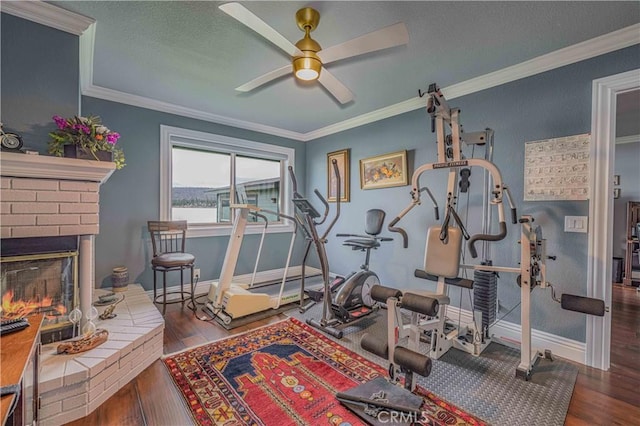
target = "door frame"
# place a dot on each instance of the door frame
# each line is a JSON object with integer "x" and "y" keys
{"x": 600, "y": 244}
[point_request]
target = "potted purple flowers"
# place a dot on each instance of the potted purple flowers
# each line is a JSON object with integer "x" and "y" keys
{"x": 85, "y": 137}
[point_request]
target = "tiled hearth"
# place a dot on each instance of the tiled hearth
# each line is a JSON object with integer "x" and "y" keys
{"x": 73, "y": 386}
{"x": 44, "y": 196}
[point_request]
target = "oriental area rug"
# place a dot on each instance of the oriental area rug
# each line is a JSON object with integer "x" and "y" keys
{"x": 283, "y": 374}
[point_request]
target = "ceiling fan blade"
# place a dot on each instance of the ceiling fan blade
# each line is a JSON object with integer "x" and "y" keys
{"x": 246, "y": 17}
{"x": 263, "y": 79}
{"x": 391, "y": 36}
{"x": 335, "y": 87}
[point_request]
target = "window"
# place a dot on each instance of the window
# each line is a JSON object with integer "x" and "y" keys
{"x": 202, "y": 174}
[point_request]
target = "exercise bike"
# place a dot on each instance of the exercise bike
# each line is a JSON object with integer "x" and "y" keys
{"x": 352, "y": 298}
{"x": 342, "y": 301}
{"x": 353, "y": 291}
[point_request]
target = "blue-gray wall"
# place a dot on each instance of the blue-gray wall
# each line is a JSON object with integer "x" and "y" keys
{"x": 131, "y": 196}
{"x": 40, "y": 79}
{"x": 553, "y": 104}
{"x": 40, "y": 74}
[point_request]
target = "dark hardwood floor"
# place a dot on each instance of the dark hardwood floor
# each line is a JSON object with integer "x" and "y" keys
{"x": 613, "y": 397}
{"x": 599, "y": 398}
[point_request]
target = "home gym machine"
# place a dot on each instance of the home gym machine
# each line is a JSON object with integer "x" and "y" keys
{"x": 444, "y": 242}
{"x": 443, "y": 245}
{"x": 380, "y": 398}
{"x": 227, "y": 300}
{"x": 346, "y": 302}
{"x": 532, "y": 274}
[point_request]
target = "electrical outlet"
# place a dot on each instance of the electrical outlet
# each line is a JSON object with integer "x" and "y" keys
{"x": 196, "y": 274}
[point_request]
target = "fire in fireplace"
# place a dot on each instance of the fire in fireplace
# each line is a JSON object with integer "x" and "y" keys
{"x": 41, "y": 277}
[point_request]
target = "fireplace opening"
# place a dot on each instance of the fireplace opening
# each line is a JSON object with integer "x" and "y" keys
{"x": 41, "y": 276}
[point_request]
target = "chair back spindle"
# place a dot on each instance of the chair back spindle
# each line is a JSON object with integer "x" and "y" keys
{"x": 168, "y": 241}
{"x": 167, "y": 236}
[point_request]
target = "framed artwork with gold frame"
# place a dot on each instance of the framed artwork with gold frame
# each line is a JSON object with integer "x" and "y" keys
{"x": 384, "y": 171}
{"x": 342, "y": 158}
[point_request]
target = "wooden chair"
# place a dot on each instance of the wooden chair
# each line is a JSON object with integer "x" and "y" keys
{"x": 168, "y": 239}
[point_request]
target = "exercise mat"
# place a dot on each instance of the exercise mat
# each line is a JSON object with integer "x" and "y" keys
{"x": 486, "y": 385}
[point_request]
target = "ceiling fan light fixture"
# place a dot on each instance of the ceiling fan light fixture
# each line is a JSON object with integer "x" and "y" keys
{"x": 306, "y": 68}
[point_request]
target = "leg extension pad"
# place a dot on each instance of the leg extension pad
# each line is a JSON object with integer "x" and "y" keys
{"x": 585, "y": 305}
{"x": 420, "y": 304}
{"x": 380, "y": 293}
{"x": 412, "y": 361}
{"x": 370, "y": 344}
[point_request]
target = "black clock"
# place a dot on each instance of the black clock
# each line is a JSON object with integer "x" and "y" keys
{"x": 10, "y": 141}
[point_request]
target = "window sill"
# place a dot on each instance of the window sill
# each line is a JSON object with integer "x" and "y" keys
{"x": 225, "y": 230}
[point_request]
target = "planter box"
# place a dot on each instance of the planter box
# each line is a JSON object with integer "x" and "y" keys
{"x": 73, "y": 151}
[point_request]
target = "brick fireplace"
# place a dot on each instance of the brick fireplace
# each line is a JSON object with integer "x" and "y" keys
{"x": 44, "y": 197}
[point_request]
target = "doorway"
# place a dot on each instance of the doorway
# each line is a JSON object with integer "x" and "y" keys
{"x": 599, "y": 264}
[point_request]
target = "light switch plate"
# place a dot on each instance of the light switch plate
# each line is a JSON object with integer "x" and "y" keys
{"x": 575, "y": 224}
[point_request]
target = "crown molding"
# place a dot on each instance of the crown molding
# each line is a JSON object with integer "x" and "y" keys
{"x": 47, "y": 14}
{"x": 56, "y": 17}
{"x": 153, "y": 104}
{"x": 613, "y": 41}
{"x": 87, "y": 43}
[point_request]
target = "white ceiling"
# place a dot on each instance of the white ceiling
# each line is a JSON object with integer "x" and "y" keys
{"x": 190, "y": 55}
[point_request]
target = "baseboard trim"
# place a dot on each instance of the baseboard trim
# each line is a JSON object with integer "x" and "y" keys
{"x": 503, "y": 330}
{"x": 510, "y": 332}
{"x": 202, "y": 287}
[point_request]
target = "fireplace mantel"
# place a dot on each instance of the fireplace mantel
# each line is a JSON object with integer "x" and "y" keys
{"x": 44, "y": 196}
{"x": 49, "y": 167}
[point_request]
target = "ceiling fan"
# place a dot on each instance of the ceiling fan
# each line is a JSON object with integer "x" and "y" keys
{"x": 308, "y": 58}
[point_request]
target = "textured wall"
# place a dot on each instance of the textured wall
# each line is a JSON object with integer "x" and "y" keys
{"x": 40, "y": 74}
{"x": 40, "y": 78}
{"x": 553, "y": 104}
{"x": 131, "y": 196}
{"x": 48, "y": 207}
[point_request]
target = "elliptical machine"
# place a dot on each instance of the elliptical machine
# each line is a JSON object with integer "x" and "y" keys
{"x": 351, "y": 302}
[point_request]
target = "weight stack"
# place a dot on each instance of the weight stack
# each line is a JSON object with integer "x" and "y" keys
{"x": 485, "y": 296}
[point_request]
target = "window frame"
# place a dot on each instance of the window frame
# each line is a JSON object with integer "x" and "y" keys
{"x": 175, "y": 136}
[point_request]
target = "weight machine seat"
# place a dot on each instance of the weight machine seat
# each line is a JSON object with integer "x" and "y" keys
{"x": 459, "y": 282}
{"x": 362, "y": 243}
{"x": 374, "y": 220}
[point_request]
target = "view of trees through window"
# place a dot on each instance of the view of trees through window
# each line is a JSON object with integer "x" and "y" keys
{"x": 202, "y": 182}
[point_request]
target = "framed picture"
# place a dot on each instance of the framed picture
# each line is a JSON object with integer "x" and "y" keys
{"x": 384, "y": 171}
{"x": 342, "y": 158}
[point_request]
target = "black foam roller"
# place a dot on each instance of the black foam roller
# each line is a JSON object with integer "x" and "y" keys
{"x": 381, "y": 293}
{"x": 586, "y": 305}
{"x": 370, "y": 344}
{"x": 412, "y": 361}
{"x": 421, "y": 304}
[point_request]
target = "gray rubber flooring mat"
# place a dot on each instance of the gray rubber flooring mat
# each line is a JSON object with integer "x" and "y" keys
{"x": 486, "y": 385}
